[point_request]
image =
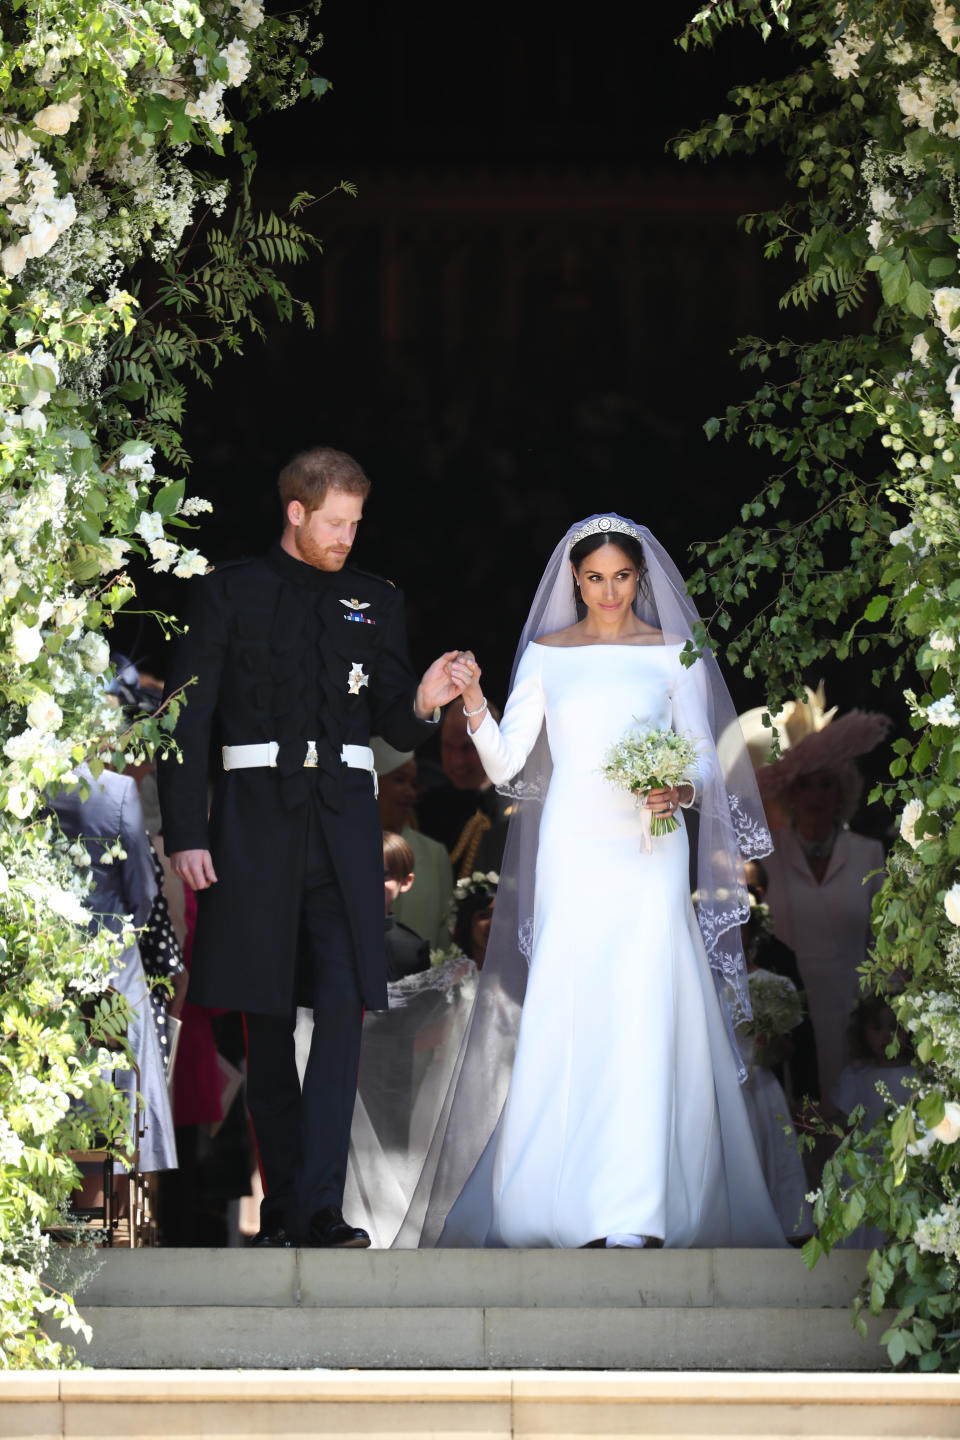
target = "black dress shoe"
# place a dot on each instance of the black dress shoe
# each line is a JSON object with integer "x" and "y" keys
{"x": 329, "y": 1231}
{"x": 270, "y": 1237}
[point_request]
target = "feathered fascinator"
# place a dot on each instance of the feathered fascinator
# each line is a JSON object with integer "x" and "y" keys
{"x": 797, "y": 720}
{"x": 830, "y": 748}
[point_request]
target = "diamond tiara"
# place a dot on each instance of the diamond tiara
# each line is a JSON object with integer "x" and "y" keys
{"x": 603, "y": 525}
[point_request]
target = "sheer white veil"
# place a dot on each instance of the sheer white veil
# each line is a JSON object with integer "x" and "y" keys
{"x": 732, "y": 828}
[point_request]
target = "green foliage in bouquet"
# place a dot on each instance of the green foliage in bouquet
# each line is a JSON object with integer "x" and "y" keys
{"x": 124, "y": 265}
{"x": 853, "y": 543}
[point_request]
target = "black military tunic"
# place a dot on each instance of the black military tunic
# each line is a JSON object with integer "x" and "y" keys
{"x": 282, "y": 651}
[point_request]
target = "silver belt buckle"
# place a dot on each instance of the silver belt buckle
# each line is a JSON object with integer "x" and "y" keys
{"x": 311, "y": 762}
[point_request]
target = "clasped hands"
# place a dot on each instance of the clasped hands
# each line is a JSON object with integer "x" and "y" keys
{"x": 449, "y": 676}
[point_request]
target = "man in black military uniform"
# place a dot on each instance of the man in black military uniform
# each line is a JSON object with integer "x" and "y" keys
{"x": 289, "y": 661}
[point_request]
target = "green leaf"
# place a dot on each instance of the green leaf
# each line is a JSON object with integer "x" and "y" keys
{"x": 896, "y": 1345}
{"x": 918, "y": 299}
{"x": 711, "y": 427}
{"x": 167, "y": 499}
{"x": 930, "y": 1110}
{"x": 877, "y": 608}
{"x": 895, "y": 282}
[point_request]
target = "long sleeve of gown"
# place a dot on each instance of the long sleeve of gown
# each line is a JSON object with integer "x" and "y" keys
{"x": 503, "y": 748}
{"x": 690, "y": 718}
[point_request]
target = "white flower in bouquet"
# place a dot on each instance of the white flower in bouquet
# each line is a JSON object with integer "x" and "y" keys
{"x": 645, "y": 760}
{"x": 941, "y": 641}
{"x": 908, "y": 821}
{"x": 951, "y": 904}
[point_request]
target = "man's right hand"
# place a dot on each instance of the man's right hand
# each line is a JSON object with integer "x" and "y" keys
{"x": 195, "y": 868}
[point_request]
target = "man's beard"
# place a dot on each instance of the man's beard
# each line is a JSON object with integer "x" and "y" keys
{"x": 321, "y": 557}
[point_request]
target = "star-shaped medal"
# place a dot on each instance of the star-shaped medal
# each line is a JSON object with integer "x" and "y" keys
{"x": 356, "y": 678}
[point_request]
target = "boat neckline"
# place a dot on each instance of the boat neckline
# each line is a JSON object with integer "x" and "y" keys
{"x": 612, "y": 645}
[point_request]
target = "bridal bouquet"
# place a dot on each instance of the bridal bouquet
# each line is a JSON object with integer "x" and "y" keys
{"x": 644, "y": 760}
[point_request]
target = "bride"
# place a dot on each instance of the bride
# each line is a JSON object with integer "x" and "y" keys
{"x": 597, "y": 1099}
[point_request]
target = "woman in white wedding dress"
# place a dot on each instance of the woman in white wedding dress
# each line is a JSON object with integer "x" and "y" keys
{"x": 618, "y": 1120}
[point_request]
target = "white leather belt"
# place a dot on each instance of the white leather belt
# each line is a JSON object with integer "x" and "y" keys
{"x": 252, "y": 757}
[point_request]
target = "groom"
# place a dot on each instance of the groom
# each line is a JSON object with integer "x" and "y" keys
{"x": 290, "y": 662}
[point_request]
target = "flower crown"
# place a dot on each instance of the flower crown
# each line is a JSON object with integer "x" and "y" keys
{"x": 604, "y": 525}
{"x": 476, "y": 884}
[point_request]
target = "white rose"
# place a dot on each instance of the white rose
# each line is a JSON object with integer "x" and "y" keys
{"x": 908, "y": 820}
{"x": 21, "y": 800}
{"x": 946, "y": 301}
{"x": 42, "y": 238}
{"x": 26, "y": 642}
{"x": 951, "y": 904}
{"x": 13, "y": 258}
{"x": 875, "y": 234}
{"x": 57, "y": 119}
{"x": 150, "y": 526}
{"x": 43, "y": 713}
{"x": 940, "y": 641}
{"x": 94, "y": 652}
{"x": 920, "y": 348}
{"x": 948, "y": 1130}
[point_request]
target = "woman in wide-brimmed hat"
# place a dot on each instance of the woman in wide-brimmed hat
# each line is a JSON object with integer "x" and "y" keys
{"x": 823, "y": 876}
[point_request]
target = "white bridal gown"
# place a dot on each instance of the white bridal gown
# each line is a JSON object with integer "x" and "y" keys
{"x": 624, "y": 1114}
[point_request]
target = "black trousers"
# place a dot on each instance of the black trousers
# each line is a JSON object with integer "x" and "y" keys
{"x": 303, "y": 1136}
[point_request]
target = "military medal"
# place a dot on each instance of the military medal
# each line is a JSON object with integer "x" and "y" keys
{"x": 354, "y": 609}
{"x": 356, "y": 678}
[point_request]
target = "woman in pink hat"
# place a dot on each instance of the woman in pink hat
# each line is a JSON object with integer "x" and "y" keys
{"x": 823, "y": 876}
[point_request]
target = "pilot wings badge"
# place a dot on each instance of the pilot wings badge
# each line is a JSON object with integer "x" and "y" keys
{"x": 354, "y": 611}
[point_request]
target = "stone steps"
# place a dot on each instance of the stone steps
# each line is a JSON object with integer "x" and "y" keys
{"x": 659, "y": 1310}
{"x": 487, "y": 1405}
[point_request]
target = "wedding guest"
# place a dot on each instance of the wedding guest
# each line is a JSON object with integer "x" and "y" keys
{"x": 870, "y": 1034}
{"x": 109, "y": 823}
{"x": 407, "y": 952}
{"x": 474, "y": 898}
{"x": 823, "y": 876}
{"x": 766, "y": 1040}
{"x": 425, "y": 905}
{"x": 467, "y": 812}
{"x": 797, "y": 1069}
{"x": 871, "y": 1071}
